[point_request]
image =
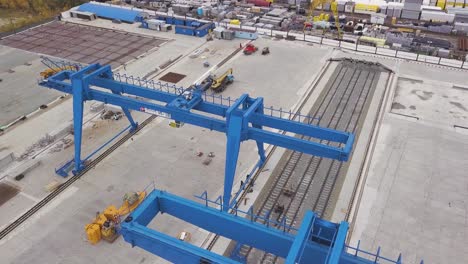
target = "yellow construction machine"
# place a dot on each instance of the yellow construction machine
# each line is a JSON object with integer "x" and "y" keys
{"x": 51, "y": 71}
{"x": 105, "y": 225}
{"x": 334, "y": 8}
{"x": 219, "y": 83}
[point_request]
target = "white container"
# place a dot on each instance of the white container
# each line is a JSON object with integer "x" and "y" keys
{"x": 378, "y": 19}
{"x": 461, "y": 26}
{"x": 431, "y": 8}
{"x": 437, "y": 16}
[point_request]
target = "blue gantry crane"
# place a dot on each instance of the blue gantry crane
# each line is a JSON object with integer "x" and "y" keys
{"x": 242, "y": 119}
{"x": 316, "y": 241}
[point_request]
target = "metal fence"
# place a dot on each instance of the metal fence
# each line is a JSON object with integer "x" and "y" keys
{"x": 355, "y": 46}
{"x": 211, "y": 98}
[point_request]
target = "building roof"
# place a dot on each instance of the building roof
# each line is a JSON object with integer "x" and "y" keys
{"x": 111, "y": 12}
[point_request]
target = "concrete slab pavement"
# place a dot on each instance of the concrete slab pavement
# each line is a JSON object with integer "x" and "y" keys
{"x": 413, "y": 199}
{"x": 19, "y": 92}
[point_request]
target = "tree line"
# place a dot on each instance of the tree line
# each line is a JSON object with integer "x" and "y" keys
{"x": 39, "y": 6}
{"x": 22, "y": 13}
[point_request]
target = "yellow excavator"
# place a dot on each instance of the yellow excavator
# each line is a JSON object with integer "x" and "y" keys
{"x": 219, "y": 83}
{"x": 334, "y": 8}
{"x": 51, "y": 71}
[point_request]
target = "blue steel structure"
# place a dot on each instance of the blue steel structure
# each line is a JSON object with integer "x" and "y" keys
{"x": 112, "y": 12}
{"x": 316, "y": 241}
{"x": 241, "y": 120}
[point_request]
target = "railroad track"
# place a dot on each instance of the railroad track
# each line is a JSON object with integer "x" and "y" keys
{"x": 71, "y": 180}
{"x": 269, "y": 154}
{"x": 306, "y": 182}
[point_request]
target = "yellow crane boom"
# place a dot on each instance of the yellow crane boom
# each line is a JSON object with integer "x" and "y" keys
{"x": 220, "y": 82}
{"x": 334, "y": 8}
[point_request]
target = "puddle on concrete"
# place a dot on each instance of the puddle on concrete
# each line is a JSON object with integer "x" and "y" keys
{"x": 7, "y": 191}
{"x": 457, "y": 104}
{"x": 398, "y": 106}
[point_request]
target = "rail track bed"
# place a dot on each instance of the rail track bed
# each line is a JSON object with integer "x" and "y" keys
{"x": 303, "y": 182}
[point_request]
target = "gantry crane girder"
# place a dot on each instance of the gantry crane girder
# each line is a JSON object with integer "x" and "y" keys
{"x": 316, "y": 240}
{"x": 241, "y": 120}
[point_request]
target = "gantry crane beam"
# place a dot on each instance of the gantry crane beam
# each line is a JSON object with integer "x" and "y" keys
{"x": 241, "y": 120}
{"x": 316, "y": 241}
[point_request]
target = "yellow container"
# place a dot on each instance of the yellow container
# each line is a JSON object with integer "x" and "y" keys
{"x": 93, "y": 233}
{"x": 316, "y": 18}
{"x": 450, "y": 4}
{"x": 366, "y": 7}
{"x": 235, "y": 22}
{"x": 255, "y": 9}
{"x": 110, "y": 212}
{"x": 441, "y": 3}
{"x": 326, "y": 17}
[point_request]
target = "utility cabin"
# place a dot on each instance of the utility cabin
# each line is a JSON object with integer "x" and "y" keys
{"x": 184, "y": 26}
{"x": 155, "y": 24}
{"x": 244, "y": 33}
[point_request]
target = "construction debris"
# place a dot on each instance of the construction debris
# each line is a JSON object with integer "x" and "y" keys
{"x": 207, "y": 161}
{"x": 111, "y": 115}
{"x": 41, "y": 143}
{"x": 50, "y": 187}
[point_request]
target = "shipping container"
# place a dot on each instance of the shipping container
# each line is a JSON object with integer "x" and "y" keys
{"x": 436, "y": 16}
{"x": 412, "y": 7}
{"x": 245, "y": 34}
{"x": 366, "y": 7}
{"x": 349, "y": 7}
{"x": 179, "y": 21}
{"x": 83, "y": 15}
{"x": 185, "y": 30}
{"x": 203, "y": 30}
{"x": 195, "y": 24}
{"x": 378, "y": 19}
{"x": 397, "y": 13}
{"x": 228, "y": 35}
{"x": 443, "y": 53}
{"x": 218, "y": 32}
{"x": 461, "y": 27}
{"x": 259, "y": 3}
{"x": 441, "y": 3}
{"x": 410, "y": 14}
{"x": 341, "y": 7}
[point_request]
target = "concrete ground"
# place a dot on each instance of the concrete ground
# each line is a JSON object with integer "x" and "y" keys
{"x": 163, "y": 156}
{"x": 19, "y": 92}
{"x": 158, "y": 154}
{"x": 415, "y": 194}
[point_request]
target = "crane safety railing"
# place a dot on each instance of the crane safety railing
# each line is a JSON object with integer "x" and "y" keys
{"x": 211, "y": 98}
{"x": 174, "y": 89}
{"x": 353, "y": 46}
{"x": 375, "y": 257}
{"x": 318, "y": 234}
